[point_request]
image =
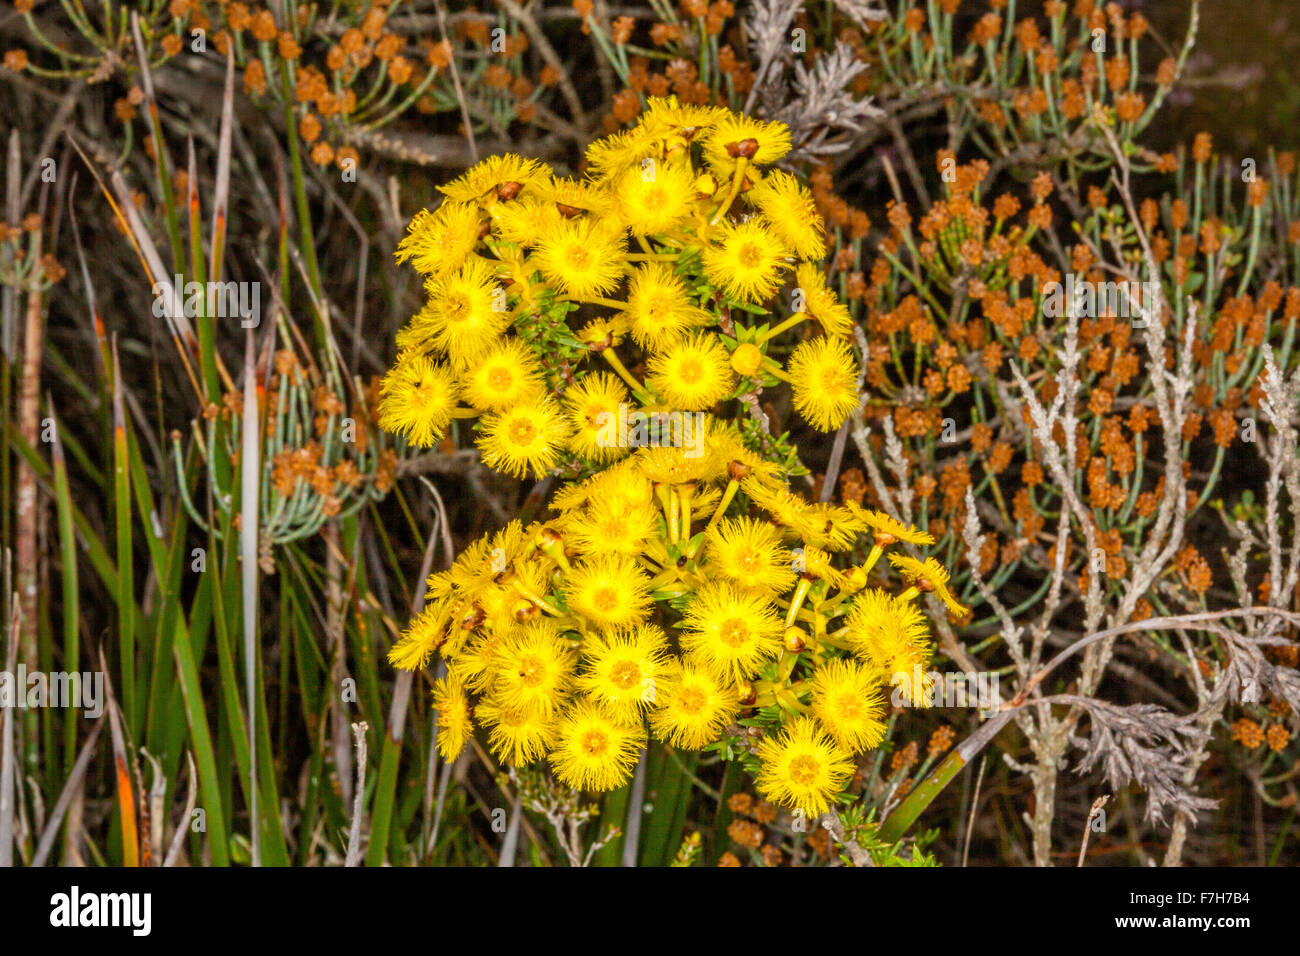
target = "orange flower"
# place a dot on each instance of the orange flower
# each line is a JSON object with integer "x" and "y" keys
{"x": 288, "y": 46}
{"x": 1278, "y": 737}
{"x": 1129, "y": 107}
{"x": 322, "y": 154}
{"x": 1247, "y": 733}
{"x": 254, "y": 78}
{"x": 264, "y": 26}
{"x": 309, "y": 128}
{"x": 1201, "y": 147}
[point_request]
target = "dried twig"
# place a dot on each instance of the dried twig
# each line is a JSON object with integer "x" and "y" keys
{"x": 359, "y": 731}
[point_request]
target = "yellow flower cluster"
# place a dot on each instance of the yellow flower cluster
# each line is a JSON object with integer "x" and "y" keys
{"x": 673, "y": 248}
{"x": 657, "y": 602}
{"x": 683, "y": 586}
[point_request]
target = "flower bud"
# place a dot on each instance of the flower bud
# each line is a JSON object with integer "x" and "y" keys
{"x": 747, "y": 359}
{"x": 744, "y": 149}
{"x": 747, "y": 693}
{"x": 793, "y": 640}
{"x": 857, "y": 580}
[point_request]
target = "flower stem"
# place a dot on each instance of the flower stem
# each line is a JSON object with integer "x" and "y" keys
{"x": 617, "y": 365}
{"x": 800, "y": 592}
{"x": 742, "y": 164}
{"x": 732, "y": 487}
{"x": 776, "y": 330}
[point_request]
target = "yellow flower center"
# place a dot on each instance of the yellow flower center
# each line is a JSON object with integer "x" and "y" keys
{"x": 690, "y": 370}
{"x": 834, "y": 380}
{"x": 593, "y": 413}
{"x": 803, "y": 770}
{"x": 659, "y": 307}
{"x": 747, "y": 559}
{"x": 733, "y": 632}
{"x": 849, "y": 708}
{"x": 523, "y": 432}
{"x": 625, "y": 675}
{"x": 458, "y": 308}
{"x": 499, "y": 379}
{"x": 594, "y": 742}
{"x": 692, "y": 700}
{"x": 604, "y": 599}
{"x": 750, "y": 255}
{"x": 578, "y": 257}
{"x": 532, "y": 670}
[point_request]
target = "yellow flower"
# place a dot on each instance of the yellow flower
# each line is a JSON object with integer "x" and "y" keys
{"x": 820, "y": 302}
{"x": 524, "y": 221}
{"x": 655, "y": 196}
{"x": 787, "y": 508}
{"x": 591, "y": 404}
{"x": 889, "y": 527}
{"x": 665, "y": 112}
{"x": 466, "y": 312}
{"x": 689, "y": 461}
{"x": 507, "y": 375}
{"x": 790, "y": 208}
{"x": 455, "y": 726}
{"x": 611, "y": 524}
{"x": 439, "y": 585}
{"x": 438, "y": 242}
{"x": 825, "y": 378}
{"x": 692, "y": 707}
{"x": 500, "y": 176}
{"x": 523, "y": 438}
{"x": 516, "y": 735}
{"x": 816, "y": 563}
{"x": 624, "y": 670}
{"x": 747, "y": 260}
{"x": 417, "y": 397}
{"x": 614, "y": 154}
{"x": 462, "y": 620}
{"x": 802, "y": 768}
{"x": 570, "y": 197}
{"x": 620, "y": 480}
{"x": 534, "y": 669}
{"x": 603, "y": 331}
{"x": 582, "y": 257}
{"x": 729, "y": 631}
{"x": 658, "y": 309}
{"x": 665, "y": 127}
{"x": 832, "y": 527}
{"x": 423, "y": 635}
{"x": 747, "y": 467}
{"x": 593, "y": 750}
{"x": 501, "y": 605}
{"x": 890, "y": 635}
{"x": 610, "y": 591}
{"x": 692, "y": 374}
{"x": 735, "y": 136}
{"x": 928, "y": 575}
{"x": 749, "y": 554}
{"x": 480, "y": 563}
{"x": 846, "y": 699}
{"x": 476, "y": 663}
